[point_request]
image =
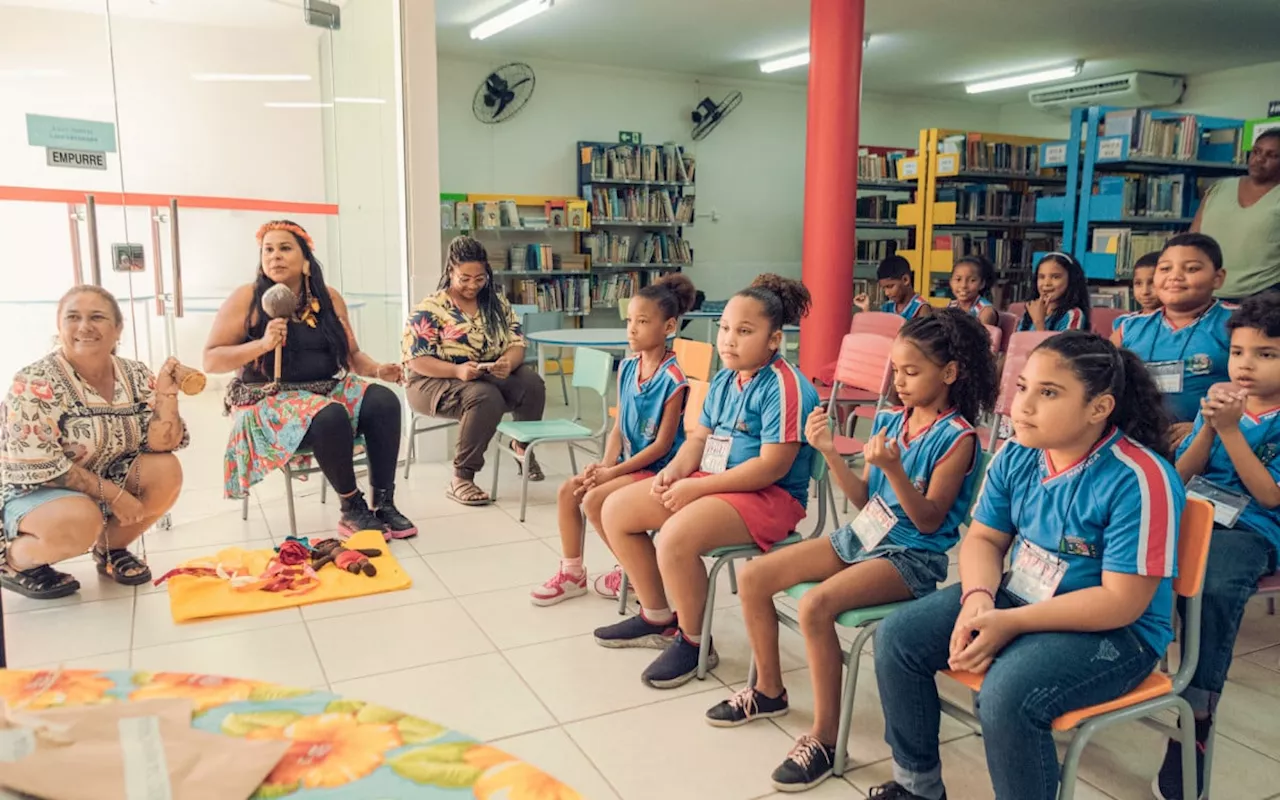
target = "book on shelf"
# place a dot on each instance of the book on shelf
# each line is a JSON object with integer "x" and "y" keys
{"x": 1127, "y": 245}
{"x": 623, "y": 248}
{"x": 990, "y": 203}
{"x": 980, "y": 155}
{"x": 508, "y": 214}
{"x": 579, "y": 218}
{"x": 533, "y": 258}
{"x": 624, "y": 162}
{"x": 640, "y": 204}
{"x": 448, "y": 218}
{"x": 878, "y": 208}
{"x": 1007, "y": 254}
{"x": 554, "y": 211}
{"x": 1158, "y": 135}
{"x": 465, "y": 216}
{"x": 569, "y": 296}
{"x": 1120, "y": 297}
{"x": 1148, "y": 195}
{"x": 487, "y": 216}
{"x": 876, "y": 250}
{"x": 879, "y": 166}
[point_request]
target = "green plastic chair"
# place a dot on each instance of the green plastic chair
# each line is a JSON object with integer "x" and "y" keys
{"x": 593, "y": 370}
{"x": 292, "y": 474}
{"x": 865, "y": 621}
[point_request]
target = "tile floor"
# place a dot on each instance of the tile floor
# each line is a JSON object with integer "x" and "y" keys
{"x": 465, "y": 647}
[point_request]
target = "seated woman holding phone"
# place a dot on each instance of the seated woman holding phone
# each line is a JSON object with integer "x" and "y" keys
{"x": 463, "y": 351}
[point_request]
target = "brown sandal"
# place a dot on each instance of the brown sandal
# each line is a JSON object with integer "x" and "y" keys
{"x": 467, "y": 493}
{"x": 535, "y": 470}
{"x": 39, "y": 583}
{"x": 122, "y": 566}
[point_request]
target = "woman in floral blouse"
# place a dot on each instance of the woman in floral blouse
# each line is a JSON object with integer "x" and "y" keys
{"x": 464, "y": 351}
{"x": 86, "y": 453}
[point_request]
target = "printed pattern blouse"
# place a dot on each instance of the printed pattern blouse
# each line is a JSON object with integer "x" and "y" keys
{"x": 440, "y": 329}
{"x": 53, "y": 419}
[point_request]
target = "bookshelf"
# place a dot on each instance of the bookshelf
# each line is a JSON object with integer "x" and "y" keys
{"x": 879, "y": 232}
{"x": 1136, "y": 177}
{"x": 980, "y": 193}
{"x": 640, "y": 199}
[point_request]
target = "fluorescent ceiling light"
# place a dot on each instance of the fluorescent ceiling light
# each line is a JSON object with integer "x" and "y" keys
{"x": 360, "y": 100}
{"x": 1026, "y": 79}
{"x": 512, "y": 16}
{"x": 796, "y": 60}
{"x": 297, "y": 105}
{"x": 247, "y": 77}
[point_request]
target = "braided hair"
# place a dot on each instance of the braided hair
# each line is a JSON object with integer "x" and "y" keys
{"x": 673, "y": 294}
{"x": 465, "y": 250}
{"x": 950, "y": 334}
{"x": 1104, "y": 368}
{"x": 785, "y": 301}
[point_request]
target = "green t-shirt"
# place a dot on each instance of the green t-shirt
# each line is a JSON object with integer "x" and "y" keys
{"x": 1250, "y": 237}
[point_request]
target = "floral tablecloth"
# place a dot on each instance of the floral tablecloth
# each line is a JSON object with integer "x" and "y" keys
{"x": 342, "y": 748}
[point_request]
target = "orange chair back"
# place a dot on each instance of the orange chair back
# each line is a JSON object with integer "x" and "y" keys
{"x": 694, "y": 358}
{"x": 878, "y": 322}
{"x": 1019, "y": 350}
{"x": 1194, "y": 533}
{"x": 996, "y": 335}
{"x": 693, "y": 404}
{"x": 1102, "y": 320}
{"x": 1008, "y": 324}
{"x": 864, "y": 362}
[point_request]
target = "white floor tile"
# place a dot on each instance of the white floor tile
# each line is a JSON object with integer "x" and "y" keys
{"x": 578, "y": 678}
{"x": 279, "y": 655}
{"x": 486, "y": 569}
{"x": 556, "y": 754}
{"x": 396, "y": 639}
{"x": 211, "y": 533}
{"x": 313, "y": 517}
{"x": 734, "y": 648}
{"x": 93, "y": 587}
{"x": 481, "y": 696}
{"x": 832, "y": 789}
{"x": 154, "y": 625}
{"x": 473, "y": 527}
{"x": 426, "y": 587}
{"x": 74, "y": 631}
{"x": 510, "y": 620}
{"x": 102, "y": 661}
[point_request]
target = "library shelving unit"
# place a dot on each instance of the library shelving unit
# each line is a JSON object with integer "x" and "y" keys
{"x": 880, "y": 193}
{"x": 640, "y": 199}
{"x": 979, "y": 193}
{"x": 1135, "y": 177}
{"x": 531, "y": 241}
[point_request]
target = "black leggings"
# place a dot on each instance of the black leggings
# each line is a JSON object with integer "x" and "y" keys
{"x": 330, "y": 438}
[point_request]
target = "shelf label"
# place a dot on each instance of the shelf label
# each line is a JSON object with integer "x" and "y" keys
{"x": 908, "y": 169}
{"x": 1112, "y": 148}
{"x": 1054, "y": 155}
{"x": 948, "y": 164}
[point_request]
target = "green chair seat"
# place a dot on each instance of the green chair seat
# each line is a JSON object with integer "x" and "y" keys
{"x": 728, "y": 551}
{"x": 854, "y": 617}
{"x": 544, "y": 429}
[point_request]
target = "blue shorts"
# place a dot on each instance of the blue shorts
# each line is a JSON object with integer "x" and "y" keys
{"x": 19, "y": 507}
{"x": 921, "y": 570}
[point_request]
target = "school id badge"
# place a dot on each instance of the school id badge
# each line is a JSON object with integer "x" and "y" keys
{"x": 873, "y": 523}
{"x": 1227, "y": 504}
{"x": 1036, "y": 573}
{"x": 715, "y": 456}
{"x": 1167, "y": 375}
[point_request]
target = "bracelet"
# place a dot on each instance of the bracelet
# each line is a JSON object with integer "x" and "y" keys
{"x": 119, "y": 491}
{"x": 977, "y": 590}
{"x": 102, "y": 495}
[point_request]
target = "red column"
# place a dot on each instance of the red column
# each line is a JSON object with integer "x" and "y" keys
{"x": 831, "y": 172}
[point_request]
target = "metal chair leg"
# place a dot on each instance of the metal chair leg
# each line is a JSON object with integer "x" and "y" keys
{"x": 835, "y": 514}
{"x": 524, "y": 478}
{"x": 852, "y": 661}
{"x": 412, "y": 452}
{"x": 244, "y": 507}
{"x": 288, "y": 493}
{"x": 622, "y": 595}
{"x": 1187, "y": 732}
{"x": 324, "y": 490}
{"x": 733, "y": 579}
{"x": 704, "y": 648}
{"x": 1271, "y": 605}
{"x": 497, "y": 465}
{"x": 573, "y": 460}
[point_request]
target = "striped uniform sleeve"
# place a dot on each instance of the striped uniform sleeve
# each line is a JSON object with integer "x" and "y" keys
{"x": 958, "y": 431}
{"x": 994, "y": 507}
{"x": 920, "y": 305}
{"x": 1141, "y": 538}
{"x": 715, "y": 398}
{"x": 782, "y": 406}
{"x": 1073, "y": 320}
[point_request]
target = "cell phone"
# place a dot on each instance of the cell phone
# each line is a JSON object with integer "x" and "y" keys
{"x": 486, "y": 366}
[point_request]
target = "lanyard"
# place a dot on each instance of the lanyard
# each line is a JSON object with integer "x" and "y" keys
{"x": 742, "y": 402}
{"x": 1075, "y": 489}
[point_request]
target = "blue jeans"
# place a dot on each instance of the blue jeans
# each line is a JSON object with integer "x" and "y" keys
{"x": 1035, "y": 679}
{"x": 1237, "y": 559}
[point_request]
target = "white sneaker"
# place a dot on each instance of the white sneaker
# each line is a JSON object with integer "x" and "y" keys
{"x": 608, "y": 584}
{"x": 558, "y": 588}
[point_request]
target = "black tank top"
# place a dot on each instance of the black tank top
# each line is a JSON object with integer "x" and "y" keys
{"x": 307, "y": 357}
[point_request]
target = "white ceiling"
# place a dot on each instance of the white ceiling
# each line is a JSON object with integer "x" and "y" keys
{"x": 281, "y": 14}
{"x": 923, "y": 48}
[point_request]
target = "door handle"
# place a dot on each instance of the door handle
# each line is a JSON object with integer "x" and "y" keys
{"x": 91, "y": 221}
{"x": 177, "y": 258}
{"x": 158, "y": 266}
{"x": 77, "y": 267}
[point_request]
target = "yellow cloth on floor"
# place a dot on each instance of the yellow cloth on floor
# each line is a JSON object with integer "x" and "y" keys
{"x": 192, "y": 597}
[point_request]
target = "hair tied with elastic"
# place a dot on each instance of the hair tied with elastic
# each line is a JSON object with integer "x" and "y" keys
{"x": 284, "y": 225}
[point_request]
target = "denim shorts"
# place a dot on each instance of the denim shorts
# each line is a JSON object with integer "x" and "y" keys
{"x": 19, "y": 507}
{"x": 921, "y": 570}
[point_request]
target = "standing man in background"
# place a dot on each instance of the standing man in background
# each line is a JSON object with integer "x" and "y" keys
{"x": 1243, "y": 214}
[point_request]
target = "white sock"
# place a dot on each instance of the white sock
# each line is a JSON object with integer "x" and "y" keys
{"x": 657, "y": 616}
{"x": 692, "y": 638}
{"x": 572, "y": 566}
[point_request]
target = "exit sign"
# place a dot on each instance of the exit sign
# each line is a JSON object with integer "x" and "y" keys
{"x": 629, "y": 137}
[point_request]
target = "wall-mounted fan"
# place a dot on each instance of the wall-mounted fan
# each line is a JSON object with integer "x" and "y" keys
{"x": 708, "y": 115}
{"x": 503, "y": 93}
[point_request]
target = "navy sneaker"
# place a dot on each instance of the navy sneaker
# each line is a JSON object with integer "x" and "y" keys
{"x": 1168, "y": 783}
{"x": 677, "y": 665}
{"x": 808, "y": 764}
{"x": 637, "y": 632}
{"x": 895, "y": 791}
{"x": 745, "y": 705}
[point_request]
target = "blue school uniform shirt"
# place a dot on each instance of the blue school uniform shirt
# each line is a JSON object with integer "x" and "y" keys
{"x": 920, "y": 457}
{"x": 1070, "y": 320}
{"x": 979, "y": 305}
{"x": 640, "y": 406}
{"x": 1117, "y": 509}
{"x": 914, "y": 307}
{"x": 771, "y": 409}
{"x": 1202, "y": 346}
{"x": 1263, "y": 435}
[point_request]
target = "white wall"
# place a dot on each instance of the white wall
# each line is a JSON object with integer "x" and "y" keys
{"x": 750, "y": 169}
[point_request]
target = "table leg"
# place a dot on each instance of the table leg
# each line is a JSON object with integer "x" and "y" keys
{"x": 542, "y": 361}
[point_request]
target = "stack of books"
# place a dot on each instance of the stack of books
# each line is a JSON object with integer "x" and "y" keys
{"x": 877, "y": 250}
{"x": 1005, "y": 253}
{"x": 1155, "y": 135}
{"x": 1148, "y": 195}
{"x": 533, "y": 258}
{"x": 570, "y": 296}
{"x": 625, "y": 162}
{"x": 878, "y": 208}
{"x": 879, "y": 166}
{"x": 982, "y": 156}
{"x": 994, "y": 203}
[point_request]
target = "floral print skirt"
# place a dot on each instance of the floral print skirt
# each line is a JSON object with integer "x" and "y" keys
{"x": 266, "y": 436}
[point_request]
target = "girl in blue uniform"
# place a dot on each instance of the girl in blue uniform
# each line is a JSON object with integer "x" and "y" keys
{"x": 1230, "y": 458}
{"x": 742, "y": 477}
{"x": 916, "y": 486}
{"x": 1062, "y": 297}
{"x": 971, "y": 280}
{"x": 1089, "y": 506}
{"x": 648, "y": 432}
{"x": 1185, "y": 343}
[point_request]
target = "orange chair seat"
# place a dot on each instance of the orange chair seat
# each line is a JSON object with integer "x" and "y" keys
{"x": 1157, "y": 684}
{"x": 613, "y": 412}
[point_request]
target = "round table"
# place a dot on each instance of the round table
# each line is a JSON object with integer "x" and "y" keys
{"x": 602, "y": 338}
{"x": 341, "y": 748}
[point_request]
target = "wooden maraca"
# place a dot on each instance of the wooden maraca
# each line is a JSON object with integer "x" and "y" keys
{"x": 279, "y": 302}
{"x": 190, "y": 381}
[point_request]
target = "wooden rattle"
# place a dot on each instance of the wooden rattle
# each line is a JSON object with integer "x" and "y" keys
{"x": 190, "y": 381}
{"x": 279, "y": 301}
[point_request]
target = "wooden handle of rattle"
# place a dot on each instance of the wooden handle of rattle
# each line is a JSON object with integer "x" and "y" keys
{"x": 277, "y": 376}
{"x": 190, "y": 381}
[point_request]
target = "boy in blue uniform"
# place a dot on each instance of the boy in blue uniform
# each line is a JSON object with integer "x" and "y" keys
{"x": 1230, "y": 458}
{"x": 1087, "y": 506}
{"x": 898, "y": 284}
{"x": 1185, "y": 343}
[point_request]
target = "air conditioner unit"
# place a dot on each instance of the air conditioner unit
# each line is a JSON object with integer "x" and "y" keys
{"x": 1131, "y": 90}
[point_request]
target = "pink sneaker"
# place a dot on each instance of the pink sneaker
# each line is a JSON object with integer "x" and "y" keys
{"x": 608, "y": 584}
{"x": 558, "y": 588}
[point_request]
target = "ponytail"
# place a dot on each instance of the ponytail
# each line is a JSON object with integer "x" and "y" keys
{"x": 950, "y": 334}
{"x": 673, "y": 294}
{"x": 1104, "y": 368}
{"x": 785, "y": 301}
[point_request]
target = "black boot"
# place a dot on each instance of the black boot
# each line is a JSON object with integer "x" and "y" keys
{"x": 356, "y": 516}
{"x": 398, "y": 525}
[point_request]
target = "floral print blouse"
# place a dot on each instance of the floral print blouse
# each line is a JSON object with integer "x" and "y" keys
{"x": 440, "y": 329}
{"x": 53, "y": 419}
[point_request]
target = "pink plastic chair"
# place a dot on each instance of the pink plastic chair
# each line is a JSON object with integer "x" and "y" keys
{"x": 1020, "y": 347}
{"x": 1017, "y": 310}
{"x": 863, "y": 366}
{"x": 878, "y": 322}
{"x": 997, "y": 336}
{"x": 1008, "y": 324}
{"x": 1270, "y": 586}
{"x": 1102, "y": 320}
